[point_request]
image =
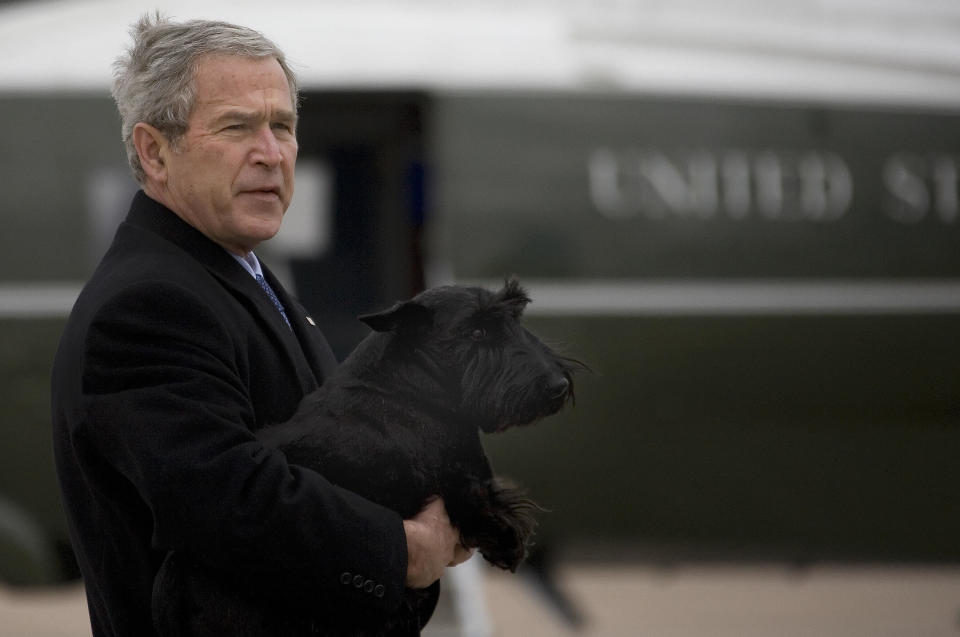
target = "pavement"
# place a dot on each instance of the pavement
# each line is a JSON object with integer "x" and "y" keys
{"x": 715, "y": 599}
{"x": 736, "y": 600}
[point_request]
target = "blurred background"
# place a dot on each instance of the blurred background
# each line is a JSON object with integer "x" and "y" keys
{"x": 741, "y": 214}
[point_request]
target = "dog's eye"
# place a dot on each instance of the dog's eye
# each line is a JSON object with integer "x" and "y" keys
{"x": 478, "y": 334}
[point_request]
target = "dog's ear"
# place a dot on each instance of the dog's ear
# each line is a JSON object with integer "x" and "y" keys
{"x": 407, "y": 317}
{"x": 513, "y": 296}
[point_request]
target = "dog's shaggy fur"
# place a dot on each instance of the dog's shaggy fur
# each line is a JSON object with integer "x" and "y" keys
{"x": 397, "y": 423}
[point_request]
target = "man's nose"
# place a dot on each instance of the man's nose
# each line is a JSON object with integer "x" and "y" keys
{"x": 267, "y": 148}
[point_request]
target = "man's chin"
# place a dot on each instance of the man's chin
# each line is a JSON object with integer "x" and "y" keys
{"x": 260, "y": 227}
{"x": 264, "y": 207}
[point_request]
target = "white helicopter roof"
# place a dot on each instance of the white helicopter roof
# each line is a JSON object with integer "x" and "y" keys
{"x": 895, "y": 51}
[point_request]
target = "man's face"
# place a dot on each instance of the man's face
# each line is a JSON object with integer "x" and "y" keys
{"x": 231, "y": 174}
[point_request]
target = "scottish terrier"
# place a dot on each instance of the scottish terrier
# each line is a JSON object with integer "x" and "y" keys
{"x": 398, "y": 423}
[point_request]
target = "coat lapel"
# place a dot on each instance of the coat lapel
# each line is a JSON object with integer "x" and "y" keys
{"x": 303, "y": 344}
{"x": 303, "y": 333}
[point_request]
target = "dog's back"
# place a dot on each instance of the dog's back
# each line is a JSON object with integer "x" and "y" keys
{"x": 380, "y": 444}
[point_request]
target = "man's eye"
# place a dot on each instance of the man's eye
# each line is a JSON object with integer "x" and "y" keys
{"x": 282, "y": 126}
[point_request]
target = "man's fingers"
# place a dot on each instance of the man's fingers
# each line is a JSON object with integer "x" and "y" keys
{"x": 433, "y": 544}
{"x": 435, "y": 507}
{"x": 460, "y": 554}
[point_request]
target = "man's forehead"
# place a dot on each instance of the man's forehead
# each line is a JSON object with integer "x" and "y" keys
{"x": 229, "y": 113}
{"x": 221, "y": 80}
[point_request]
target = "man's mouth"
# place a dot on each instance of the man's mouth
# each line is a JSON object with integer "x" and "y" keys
{"x": 263, "y": 192}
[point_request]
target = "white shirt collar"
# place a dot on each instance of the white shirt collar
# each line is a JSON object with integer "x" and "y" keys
{"x": 250, "y": 263}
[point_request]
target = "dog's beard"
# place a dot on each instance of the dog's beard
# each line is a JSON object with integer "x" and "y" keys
{"x": 521, "y": 406}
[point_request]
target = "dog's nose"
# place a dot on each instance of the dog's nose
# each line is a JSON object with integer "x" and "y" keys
{"x": 558, "y": 385}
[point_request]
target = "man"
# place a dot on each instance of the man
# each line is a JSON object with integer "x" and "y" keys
{"x": 182, "y": 345}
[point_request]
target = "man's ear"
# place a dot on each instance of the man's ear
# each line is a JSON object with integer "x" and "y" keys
{"x": 152, "y": 148}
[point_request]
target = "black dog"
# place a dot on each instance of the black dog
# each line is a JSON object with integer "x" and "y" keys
{"x": 397, "y": 423}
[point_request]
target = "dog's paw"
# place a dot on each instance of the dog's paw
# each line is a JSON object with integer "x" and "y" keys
{"x": 508, "y": 526}
{"x": 506, "y": 551}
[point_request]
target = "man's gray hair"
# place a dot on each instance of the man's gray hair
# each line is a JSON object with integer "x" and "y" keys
{"x": 154, "y": 79}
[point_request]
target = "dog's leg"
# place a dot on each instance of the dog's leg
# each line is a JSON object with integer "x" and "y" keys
{"x": 495, "y": 518}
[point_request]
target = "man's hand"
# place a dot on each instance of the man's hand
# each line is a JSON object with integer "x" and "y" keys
{"x": 432, "y": 545}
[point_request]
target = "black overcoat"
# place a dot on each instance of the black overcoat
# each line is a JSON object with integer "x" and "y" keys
{"x": 171, "y": 358}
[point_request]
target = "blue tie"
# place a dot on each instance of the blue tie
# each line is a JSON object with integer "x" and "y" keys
{"x": 273, "y": 297}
